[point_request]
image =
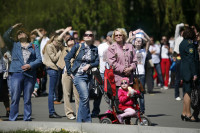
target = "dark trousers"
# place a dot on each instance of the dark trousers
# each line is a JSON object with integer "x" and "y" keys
{"x": 177, "y": 79}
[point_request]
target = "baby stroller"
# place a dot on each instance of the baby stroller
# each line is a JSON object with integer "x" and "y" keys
{"x": 110, "y": 117}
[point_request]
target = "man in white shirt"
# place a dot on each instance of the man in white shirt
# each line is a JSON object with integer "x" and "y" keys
{"x": 178, "y": 39}
{"x": 102, "y": 51}
{"x": 42, "y": 44}
{"x": 155, "y": 51}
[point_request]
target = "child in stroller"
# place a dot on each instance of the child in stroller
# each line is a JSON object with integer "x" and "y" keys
{"x": 126, "y": 100}
{"x": 128, "y": 106}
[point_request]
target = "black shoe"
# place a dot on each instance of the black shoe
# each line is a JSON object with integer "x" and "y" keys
{"x": 189, "y": 119}
{"x": 94, "y": 115}
{"x": 7, "y": 113}
{"x": 55, "y": 115}
{"x": 182, "y": 117}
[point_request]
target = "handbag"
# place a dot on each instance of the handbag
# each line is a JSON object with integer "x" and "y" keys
{"x": 195, "y": 96}
{"x": 137, "y": 83}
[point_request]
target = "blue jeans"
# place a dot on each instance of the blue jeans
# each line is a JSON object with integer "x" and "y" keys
{"x": 142, "y": 102}
{"x": 158, "y": 70}
{"x": 53, "y": 77}
{"x": 82, "y": 85}
{"x": 19, "y": 83}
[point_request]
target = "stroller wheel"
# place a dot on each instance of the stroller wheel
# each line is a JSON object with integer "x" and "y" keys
{"x": 106, "y": 121}
{"x": 144, "y": 121}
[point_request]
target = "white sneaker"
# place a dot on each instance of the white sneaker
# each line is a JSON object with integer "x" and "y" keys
{"x": 178, "y": 98}
{"x": 72, "y": 118}
{"x": 165, "y": 88}
{"x": 159, "y": 84}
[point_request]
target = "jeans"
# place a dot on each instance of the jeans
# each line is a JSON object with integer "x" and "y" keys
{"x": 82, "y": 85}
{"x": 97, "y": 102}
{"x": 20, "y": 83}
{"x": 142, "y": 102}
{"x": 158, "y": 70}
{"x": 53, "y": 77}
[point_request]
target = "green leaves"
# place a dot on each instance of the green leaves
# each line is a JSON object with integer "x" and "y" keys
{"x": 156, "y": 17}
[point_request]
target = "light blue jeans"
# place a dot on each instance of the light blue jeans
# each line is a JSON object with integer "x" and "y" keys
{"x": 82, "y": 84}
{"x": 19, "y": 83}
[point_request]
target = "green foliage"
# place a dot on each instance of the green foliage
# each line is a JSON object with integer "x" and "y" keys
{"x": 156, "y": 17}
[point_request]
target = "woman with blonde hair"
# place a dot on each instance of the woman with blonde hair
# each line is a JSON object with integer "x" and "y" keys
{"x": 121, "y": 56}
{"x": 52, "y": 52}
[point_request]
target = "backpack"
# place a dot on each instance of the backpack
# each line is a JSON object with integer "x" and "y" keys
{"x": 109, "y": 83}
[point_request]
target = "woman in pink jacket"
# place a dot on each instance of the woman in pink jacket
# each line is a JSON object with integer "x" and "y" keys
{"x": 121, "y": 56}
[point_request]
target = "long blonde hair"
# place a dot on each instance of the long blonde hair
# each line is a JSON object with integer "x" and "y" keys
{"x": 49, "y": 42}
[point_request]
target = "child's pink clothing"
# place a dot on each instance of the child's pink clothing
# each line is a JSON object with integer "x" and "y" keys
{"x": 127, "y": 113}
{"x": 126, "y": 104}
{"x": 125, "y": 101}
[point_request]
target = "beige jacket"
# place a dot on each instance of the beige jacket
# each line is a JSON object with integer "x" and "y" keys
{"x": 51, "y": 56}
{"x": 61, "y": 61}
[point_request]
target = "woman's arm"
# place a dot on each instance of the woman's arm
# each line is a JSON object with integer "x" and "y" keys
{"x": 64, "y": 32}
{"x": 54, "y": 56}
{"x": 38, "y": 60}
{"x": 69, "y": 56}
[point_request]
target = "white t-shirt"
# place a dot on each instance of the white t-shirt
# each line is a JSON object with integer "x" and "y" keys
{"x": 156, "y": 56}
{"x": 42, "y": 44}
{"x": 164, "y": 53}
{"x": 141, "y": 56}
{"x": 102, "y": 51}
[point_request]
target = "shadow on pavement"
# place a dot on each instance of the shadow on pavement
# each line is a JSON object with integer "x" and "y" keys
{"x": 157, "y": 115}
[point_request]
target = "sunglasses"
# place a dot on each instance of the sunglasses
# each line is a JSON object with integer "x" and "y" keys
{"x": 118, "y": 35}
{"x": 88, "y": 35}
{"x": 124, "y": 83}
{"x": 70, "y": 39}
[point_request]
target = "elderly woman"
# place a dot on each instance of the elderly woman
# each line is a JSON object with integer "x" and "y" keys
{"x": 188, "y": 53}
{"x": 25, "y": 59}
{"x": 86, "y": 57}
{"x": 122, "y": 57}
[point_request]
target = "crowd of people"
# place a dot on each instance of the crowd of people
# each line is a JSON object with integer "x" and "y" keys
{"x": 67, "y": 60}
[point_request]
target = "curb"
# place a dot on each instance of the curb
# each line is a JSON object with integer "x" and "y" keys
{"x": 89, "y": 127}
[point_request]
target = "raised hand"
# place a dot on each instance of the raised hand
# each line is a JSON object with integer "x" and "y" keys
{"x": 17, "y": 25}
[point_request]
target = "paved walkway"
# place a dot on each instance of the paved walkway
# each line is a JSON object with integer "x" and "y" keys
{"x": 161, "y": 107}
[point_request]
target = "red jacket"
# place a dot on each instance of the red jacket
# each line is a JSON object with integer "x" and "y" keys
{"x": 124, "y": 100}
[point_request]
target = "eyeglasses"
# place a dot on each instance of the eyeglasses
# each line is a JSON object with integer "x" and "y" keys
{"x": 118, "y": 35}
{"x": 124, "y": 83}
{"x": 88, "y": 35}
